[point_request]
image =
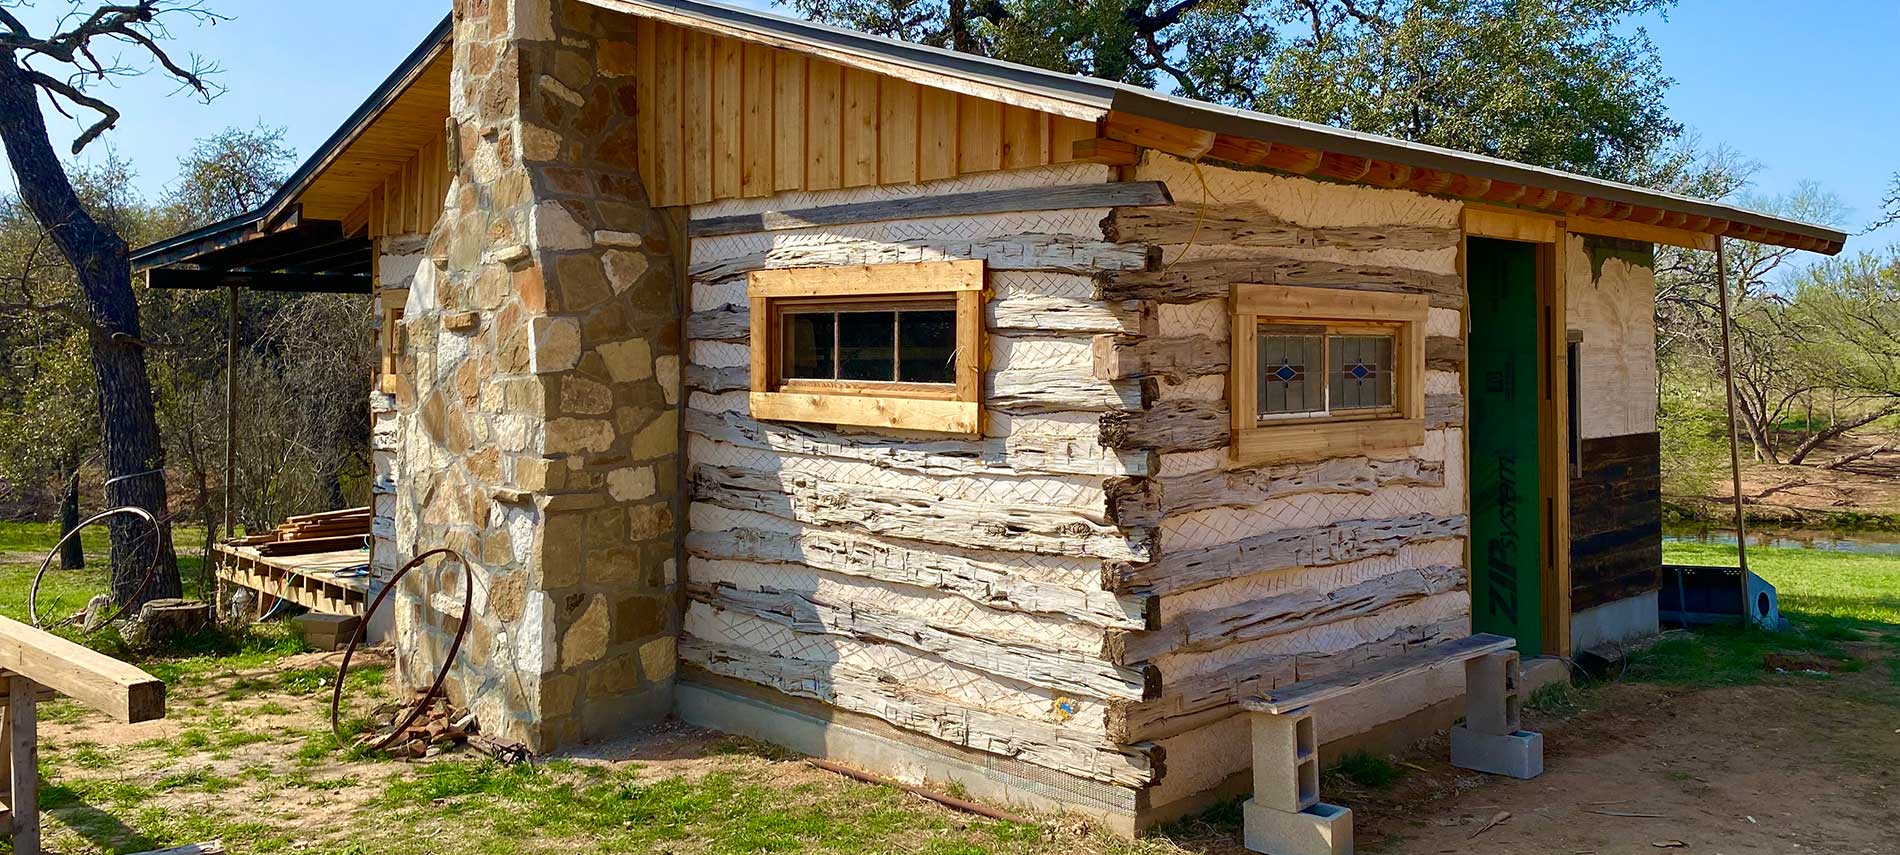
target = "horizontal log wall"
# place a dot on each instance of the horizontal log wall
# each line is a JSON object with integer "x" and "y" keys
{"x": 957, "y": 587}
{"x": 1270, "y": 574}
{"x": 1616, "y": 520}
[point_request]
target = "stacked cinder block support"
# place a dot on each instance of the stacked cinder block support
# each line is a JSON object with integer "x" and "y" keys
{"x": 1285, "y": 815}
{"x": 1491, "y": 739}
{"x": 540, "y": 391}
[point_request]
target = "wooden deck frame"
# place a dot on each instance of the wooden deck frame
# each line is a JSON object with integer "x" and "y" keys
{"x": 300, "y": 579}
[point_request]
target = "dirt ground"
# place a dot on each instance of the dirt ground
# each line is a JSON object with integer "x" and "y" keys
{"x": 1796, "y": 764}
{"x": 1799, "y": 494}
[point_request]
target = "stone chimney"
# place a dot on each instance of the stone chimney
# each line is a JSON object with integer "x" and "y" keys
{"x": 540, "y": 391}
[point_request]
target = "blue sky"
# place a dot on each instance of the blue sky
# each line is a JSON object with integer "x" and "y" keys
{"x": 1804, "y": 93}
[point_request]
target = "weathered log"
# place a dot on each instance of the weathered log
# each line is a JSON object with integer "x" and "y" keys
{"x": 707, "y": 378}
{"x": 1058, "y": 389}
{"x": 1011, "y": 200}
{"x": 1065, "y": 672}
{"x": 1444, "y": 353}
{"x": 1311, "y": 546}
{"x": 951, "y": 571}
{"x": 725, "y": 323}
{"x": 1203, "y": 699}
{"x": 1145, "y": 501}
{"x": 1443, "y": 411}
{"x": 918, "y": 516}
{"x": 1175, "y": 358}
{"x": 1020, "y": 453}
{"x": 1304, "y": 608}
{"x": 1049, "y": 314}
{"x": 1196, "y": 279}
{"x": 1060, "y": 253}
{"x": 1181, "y": 425}
{"x": 1072, "y": 750}
{"x": 1251, "y": 224}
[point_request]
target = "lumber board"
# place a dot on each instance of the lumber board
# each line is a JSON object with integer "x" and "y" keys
{"x": 23, "y": 756}
{"x": 1305, "y": 608}
{"x": 1058, "y": 253}
{"x": 1066, "y": 749}
{"x": 115, "y": 688}
{"x": 1306, "y": 546}
{"x": 912, "y": 515}
{"x": 1011, "y": 200}
{"x": 979, "y": 578}
{"x": 1195, "y": 279}
{"x": 1066, "y": 672}
{"x": 1306, "y": 693}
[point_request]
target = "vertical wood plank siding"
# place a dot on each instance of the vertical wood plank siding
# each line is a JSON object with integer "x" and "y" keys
{"x": 722, "y": 119}
{"x": 410, "y": 199}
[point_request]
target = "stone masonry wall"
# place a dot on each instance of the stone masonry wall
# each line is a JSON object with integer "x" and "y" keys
{"x": 541, "y": 392}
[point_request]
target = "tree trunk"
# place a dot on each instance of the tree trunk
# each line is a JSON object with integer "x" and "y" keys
{"x": 72, "y": 556}
{"x": 1835, "y": 430}
{"x": 98, "y": 257}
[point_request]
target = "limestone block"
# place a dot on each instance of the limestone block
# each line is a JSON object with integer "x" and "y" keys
{"x": 660, "y": 438}
{"x": 571, "y": 436}
{"x": 624, "y": 267}
{"x": 631, "y": 484}
{"x": 561, "y": 543}
{"x": 1322, "y": 829}
{"x": 667, "y": 369}
{"x": 556, "y": 230}
{"x": 628, "y": 361}
{"x": 586, "y": 640}
{"x": 581, "y": 396}
{"x": 558, "y": 694}
{"x": 557, "y": 344}
{"x": 613, "y": 677}
{"x": 659, "y": 658}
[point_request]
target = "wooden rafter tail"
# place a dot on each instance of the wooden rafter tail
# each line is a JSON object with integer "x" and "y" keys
{"x": 1569, "y": 203}
{"x": 1151, "y": 133}
{"x": 1619, "y": 211}
{"x": 1344, "y": 167}
{"x": 1646, "y": 215}
{"x": 1538, "y": 197}
{"x": 1106, "y": 151}
{"x": 1673, "y": 219}
{"x": 1430, "y": 180}
{"x": 1385, "y": 174}
{"x": 1246, "y": 152}
{"x": 1599, "y": 208}
{"x": 1469, "y": 186}
{"x": 1695, "y": 223}
{"x": 1295, "y": 159}
{"x": 1504, "y": 192}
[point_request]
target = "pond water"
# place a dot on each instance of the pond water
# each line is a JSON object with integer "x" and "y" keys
{"x": 1872, "y": 542}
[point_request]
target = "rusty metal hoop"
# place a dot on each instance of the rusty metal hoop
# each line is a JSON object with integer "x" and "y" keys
{"x": 151, "y": 567}
{"x": 362, "y": 630}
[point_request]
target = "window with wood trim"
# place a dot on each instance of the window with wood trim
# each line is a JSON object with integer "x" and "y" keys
{"x": 888, "y": 345}
{"x": 1320, "y": 372}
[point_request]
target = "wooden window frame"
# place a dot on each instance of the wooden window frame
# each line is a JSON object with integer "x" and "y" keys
{"x": 1331, "y": 311}
{"x": 954, "y": 408}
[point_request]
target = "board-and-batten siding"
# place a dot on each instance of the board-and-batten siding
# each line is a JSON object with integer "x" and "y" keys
{"x": 1270, "y": 574}
{"x": 733, "y": 119}
{"x": 952, "y": 587}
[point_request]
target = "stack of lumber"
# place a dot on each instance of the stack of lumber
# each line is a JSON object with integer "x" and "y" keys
{"x": 329, "y": 531}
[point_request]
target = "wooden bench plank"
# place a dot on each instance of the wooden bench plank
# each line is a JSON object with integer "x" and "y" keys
{"x": 95, "y": 679}
{"x": 1306, "y": 693}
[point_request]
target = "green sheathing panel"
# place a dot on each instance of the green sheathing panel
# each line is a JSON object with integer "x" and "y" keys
{"x": 1505, "y": 492}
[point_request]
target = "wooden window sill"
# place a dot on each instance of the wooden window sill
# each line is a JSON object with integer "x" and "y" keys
{"x": 937, "y": 416}
{"x": 1315, "y": 440}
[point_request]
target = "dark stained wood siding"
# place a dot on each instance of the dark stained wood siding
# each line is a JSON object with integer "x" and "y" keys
{"x": 1616, "y": 520}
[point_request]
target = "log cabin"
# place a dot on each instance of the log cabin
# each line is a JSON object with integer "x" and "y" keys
{"x": 961, "y": 420}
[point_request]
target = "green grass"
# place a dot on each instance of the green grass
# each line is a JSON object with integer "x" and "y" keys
{"x": 1368, "y": 770}
{"x": 1829, "y": 598}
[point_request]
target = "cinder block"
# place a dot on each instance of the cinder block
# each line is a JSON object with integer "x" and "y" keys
{"x": 1285, "y": 760}
{"x": 1321, "y": 829}
{"x": 1493, "y": 693}
{"x": 1517, "y": 755}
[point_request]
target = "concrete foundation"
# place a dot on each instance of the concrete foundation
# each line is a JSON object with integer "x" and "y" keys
{"x": 1620, "y": 621}
{"x": 1321, "y": 829}
{"x": 1519, "y": 754}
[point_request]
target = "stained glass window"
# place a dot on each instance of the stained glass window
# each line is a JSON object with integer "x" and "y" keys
{"x": 1290, "y": 371}
{"x": 1359, "y": 372}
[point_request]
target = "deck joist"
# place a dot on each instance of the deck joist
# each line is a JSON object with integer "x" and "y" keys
{"x": 307, "y": 580}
